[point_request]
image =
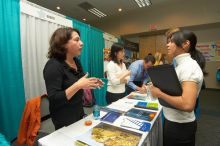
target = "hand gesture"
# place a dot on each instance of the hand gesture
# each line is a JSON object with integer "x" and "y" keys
{"x": 89, "y": 83}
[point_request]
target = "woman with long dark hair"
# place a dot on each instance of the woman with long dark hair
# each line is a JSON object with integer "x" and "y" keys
{"x": 180, "y": 124}
{"x": 117, "y": 74}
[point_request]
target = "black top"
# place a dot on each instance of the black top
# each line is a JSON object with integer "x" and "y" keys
{"x": 59, "y": 76}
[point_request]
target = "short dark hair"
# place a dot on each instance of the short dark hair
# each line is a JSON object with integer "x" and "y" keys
{"x": 150, "y": 58}
{"x": 116, "y": 47}
{"x": 57, "y": 41}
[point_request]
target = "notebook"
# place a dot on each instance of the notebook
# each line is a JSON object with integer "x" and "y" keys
{"x": 147, "y": 105}
{"x": 165, "y": 78}
{"x": 110, "y": 117}
{"x": 140, "y": 114}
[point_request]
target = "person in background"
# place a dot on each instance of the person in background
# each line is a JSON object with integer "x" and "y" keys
{"x": 180, "y": 124}
{"x": 64, "y": 77}
{"x": 164, "y": 59}
{"x": 158, "y": 59}
{"x": 117, "y": 74}
{"x": 139, "y": 74}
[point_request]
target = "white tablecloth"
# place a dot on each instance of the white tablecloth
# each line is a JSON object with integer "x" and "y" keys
{"x": 66, "y": 135}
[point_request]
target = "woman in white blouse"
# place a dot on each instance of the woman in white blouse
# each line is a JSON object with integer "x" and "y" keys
{"x": 180, "y": 123}
{"x": 117, "y": 74}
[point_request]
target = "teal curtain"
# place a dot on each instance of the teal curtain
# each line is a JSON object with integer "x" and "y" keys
{"x": 12, "y": 98}
{"x": 92, "y": 55}
{"x": 93, "y": 45}
{"x": 100, "y": 94}
{"x": 120, "y": 40}
{"x": 3, "y": 142}
{"x": 84, "y": 35}
{"x": 96, "y": 45}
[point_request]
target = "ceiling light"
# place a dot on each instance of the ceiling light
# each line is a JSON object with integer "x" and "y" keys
{"x": 97, "y": 12}
{"x": 84, "y": 19}
{"x": 119, "y": 9}
{"x": 58, "y": 8}
{"x": 90, "y": 8}
{"x": 143, "y": 3}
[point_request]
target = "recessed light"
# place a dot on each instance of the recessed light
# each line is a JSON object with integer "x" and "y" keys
{"x": 84, "y": 19}
{"x": 119, "y": 9}
{"x": 58, "y": 8}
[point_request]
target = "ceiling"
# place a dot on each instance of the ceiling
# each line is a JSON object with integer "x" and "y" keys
{"x": 110, "y": 7}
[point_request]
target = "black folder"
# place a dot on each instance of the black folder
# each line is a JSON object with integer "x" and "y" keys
{"x": 165, "y": 78}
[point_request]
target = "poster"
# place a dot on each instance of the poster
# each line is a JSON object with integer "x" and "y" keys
{"x": 211, "y": 51}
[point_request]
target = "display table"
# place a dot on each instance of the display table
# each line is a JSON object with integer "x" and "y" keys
{"x": 66, "y": 136}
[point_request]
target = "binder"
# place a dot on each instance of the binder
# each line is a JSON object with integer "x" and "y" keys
{"x": 141, "y": 114}
{"x": 165, "y": 78}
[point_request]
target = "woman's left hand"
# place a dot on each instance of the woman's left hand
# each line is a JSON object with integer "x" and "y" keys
{"x": 155, "y": 92}
{"x": 100, "y": 82}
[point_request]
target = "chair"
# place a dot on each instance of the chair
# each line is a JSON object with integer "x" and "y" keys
{"x": 44, "y": 115}
{"x": 46, "y": 122}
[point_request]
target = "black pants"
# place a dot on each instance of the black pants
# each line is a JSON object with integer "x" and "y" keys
{"x": 137, "y": 83}
{"x": 112, "y": 97}
{"x": 179, "y": 134}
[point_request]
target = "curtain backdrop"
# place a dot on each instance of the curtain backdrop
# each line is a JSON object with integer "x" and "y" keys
{"x": 35, "y": 35}
{"x": 96, "y": 44}
{"x": 11, "y": 81}
{"x": 84, "y": 35}
{"x": 92, "y": 55}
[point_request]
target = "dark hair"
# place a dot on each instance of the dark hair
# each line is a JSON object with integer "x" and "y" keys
{"x": 180, "y": 37}
{"x": 116, "y": 47}
{"x": 149, "y": 58}
{"x": 57, "y": 41}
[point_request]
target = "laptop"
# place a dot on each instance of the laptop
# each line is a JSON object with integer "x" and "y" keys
{"x": 165, "y": 78}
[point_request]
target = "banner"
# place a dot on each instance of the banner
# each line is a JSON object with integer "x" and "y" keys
{"x": 43, "y": 13}
{"x": 211, "y": 51}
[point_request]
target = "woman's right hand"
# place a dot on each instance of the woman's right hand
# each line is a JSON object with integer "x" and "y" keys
{"x": 88, "y": 83}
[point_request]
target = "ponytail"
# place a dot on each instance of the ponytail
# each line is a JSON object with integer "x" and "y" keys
{"x": 180, "y": 37}
{"x": 200, "y": 59}
{"x": 195, "y": 54}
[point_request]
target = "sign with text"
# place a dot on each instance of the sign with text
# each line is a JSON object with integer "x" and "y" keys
{"x": 211, "y": 51}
